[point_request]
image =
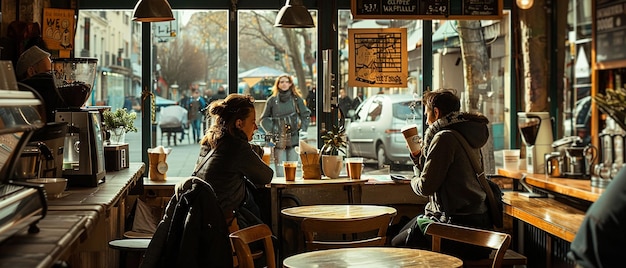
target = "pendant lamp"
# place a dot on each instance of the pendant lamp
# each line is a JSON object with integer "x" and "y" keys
{"x": 524, "y": 4}
{"x": 152, "y": 11}
{"x": 294, "y": 15}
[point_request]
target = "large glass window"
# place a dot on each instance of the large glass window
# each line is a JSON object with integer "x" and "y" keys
{"x": 192, "y": 53}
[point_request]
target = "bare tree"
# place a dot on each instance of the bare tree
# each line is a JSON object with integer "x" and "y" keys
{"x": 295, "y": 44}
{"x": 181, "y": 62}
{"x": 534, "y": 57}
{"x": 208, "y": 31}
{"x": 477, "y": 76}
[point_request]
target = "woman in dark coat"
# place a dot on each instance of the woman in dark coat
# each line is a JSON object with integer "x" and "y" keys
{"x": 229, "y": 162}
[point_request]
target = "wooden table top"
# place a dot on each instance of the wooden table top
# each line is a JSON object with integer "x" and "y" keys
{"x": 578, "y": 188}
{"x": 372, "y": 257}
{"x": 169, "y": 182}
{"x": 337, "y": 211}
{"x": 547, "y": 214}
{"x": 281, "y": 182}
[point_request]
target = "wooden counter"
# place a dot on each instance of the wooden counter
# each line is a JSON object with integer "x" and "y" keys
{"x": 576, "y": 188}
{"x": 547, "y": 214}
{"x": 550, "y": 222}
{"x": 77, "y": 227}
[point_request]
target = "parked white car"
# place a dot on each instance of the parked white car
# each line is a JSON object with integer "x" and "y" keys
{"x": 374, "y": 131}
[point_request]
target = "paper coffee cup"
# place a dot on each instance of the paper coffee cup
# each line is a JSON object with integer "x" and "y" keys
{"x": 409, "y": 130}
{"x": 412, "y": 138}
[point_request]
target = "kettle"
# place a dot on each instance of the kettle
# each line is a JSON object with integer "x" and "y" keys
{"x": 554, "y": 164}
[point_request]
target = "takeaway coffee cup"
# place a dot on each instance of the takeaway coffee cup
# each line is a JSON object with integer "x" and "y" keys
{"x": 290, "y": 170}
{"x": 412, "y": 138}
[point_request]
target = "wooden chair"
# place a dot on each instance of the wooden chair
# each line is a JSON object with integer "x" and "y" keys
{"x": 349, "y": 230}
{"x": 497, "y": 241}
{"x": 241, "y": 240}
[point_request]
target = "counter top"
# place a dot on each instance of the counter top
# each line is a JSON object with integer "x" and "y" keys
{"x": 77, "y": 226}
{"x": 578, "y": 188}
{"x": 60, "y": 232}
{"x": 547, "y": 214}
{"x": 106, "y": 194}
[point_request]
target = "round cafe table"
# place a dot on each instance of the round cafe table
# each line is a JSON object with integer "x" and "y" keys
{"x": 336, "y": 212}
{"x": 372, "y": 257}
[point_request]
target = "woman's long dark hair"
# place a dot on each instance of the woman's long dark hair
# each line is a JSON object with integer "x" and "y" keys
{"x": 225, "y": 113}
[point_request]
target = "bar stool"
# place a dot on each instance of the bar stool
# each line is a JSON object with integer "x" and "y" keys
{"x": 131, "y": 250}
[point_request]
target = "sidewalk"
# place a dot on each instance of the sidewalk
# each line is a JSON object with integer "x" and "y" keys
{"x": 181, "y": 161}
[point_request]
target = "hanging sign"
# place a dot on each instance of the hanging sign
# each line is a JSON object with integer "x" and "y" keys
{"x": 378, "y": 57}
{"x": 58, "y": 28}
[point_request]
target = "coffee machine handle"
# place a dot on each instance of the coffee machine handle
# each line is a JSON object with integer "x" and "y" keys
{"x": 590, "y": 153}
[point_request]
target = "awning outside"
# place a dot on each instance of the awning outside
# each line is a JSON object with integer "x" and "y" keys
{"x": 446, "y": 36}
{"x": 255, "y": 75}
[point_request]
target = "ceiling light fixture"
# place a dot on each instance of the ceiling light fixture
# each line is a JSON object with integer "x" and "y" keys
{"x": 524, "y": 4}
{"x": 152, "y": 11}
{"x": 294, "y": 15}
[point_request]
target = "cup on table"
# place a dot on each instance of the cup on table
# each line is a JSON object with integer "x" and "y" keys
{"x": 355, "y": 167}
{"x": 511, "y": 159}
{"x": 290, "y": 170}
{"x": 267, "y": 153}
{"x": 412, "y": 138}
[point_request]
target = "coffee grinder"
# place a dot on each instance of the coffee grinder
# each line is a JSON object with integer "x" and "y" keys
{"x": 536, "y": 133}
{"x": 83, "y": 157}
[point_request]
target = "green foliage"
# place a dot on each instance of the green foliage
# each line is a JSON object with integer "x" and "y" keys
{"x": 334, "y": 141}
{"x": 613, "y": 104}
{"x": 119, "y": 118}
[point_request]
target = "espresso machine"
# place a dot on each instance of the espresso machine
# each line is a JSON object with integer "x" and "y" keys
{"x": 83, "y": 155}
{"x": 22, "y": 204}
{"x": 536, "y": 133}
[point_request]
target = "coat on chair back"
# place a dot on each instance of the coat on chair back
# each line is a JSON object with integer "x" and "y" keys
{"x": 193, "y": 231}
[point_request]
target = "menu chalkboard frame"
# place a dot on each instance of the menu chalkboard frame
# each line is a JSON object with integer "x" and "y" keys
{"x": 357, "y": 15}
{"x": 608, "y": 49}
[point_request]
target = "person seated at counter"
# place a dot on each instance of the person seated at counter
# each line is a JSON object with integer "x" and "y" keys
{"x": 231, "y": 164}
{"x": 599, "y": 241}
{"x": 447, "y": 177}
{"x": 34, "y": 68}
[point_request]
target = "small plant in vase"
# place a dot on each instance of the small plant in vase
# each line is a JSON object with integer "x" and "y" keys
{"x": 334, "y": 142}
{"x": 118, "y": 123}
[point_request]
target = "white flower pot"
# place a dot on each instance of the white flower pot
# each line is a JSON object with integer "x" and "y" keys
{"x": 332, "y": 165}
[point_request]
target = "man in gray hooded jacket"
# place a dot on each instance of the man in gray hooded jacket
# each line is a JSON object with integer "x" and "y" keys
{"x": 446, "y": 176}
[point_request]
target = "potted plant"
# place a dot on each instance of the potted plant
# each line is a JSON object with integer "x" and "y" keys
{"x": 118, "y": 123}
{"x": 334, "y": 142}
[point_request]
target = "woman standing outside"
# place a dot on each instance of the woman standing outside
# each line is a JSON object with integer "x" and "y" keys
{"x": 229, "y": 162}
{"x": 285, "y": 115}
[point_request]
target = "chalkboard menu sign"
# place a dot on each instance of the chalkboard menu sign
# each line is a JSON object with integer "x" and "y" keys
{"x": 610, "y": 26}
{"x": 427, "y": 9}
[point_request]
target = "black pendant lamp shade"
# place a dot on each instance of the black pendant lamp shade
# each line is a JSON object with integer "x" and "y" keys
{"x": 152, "y": 11}
{"x": 294, "y": 15}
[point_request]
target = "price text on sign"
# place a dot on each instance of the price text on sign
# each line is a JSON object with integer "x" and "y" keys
{"x": 427, "y": 9}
